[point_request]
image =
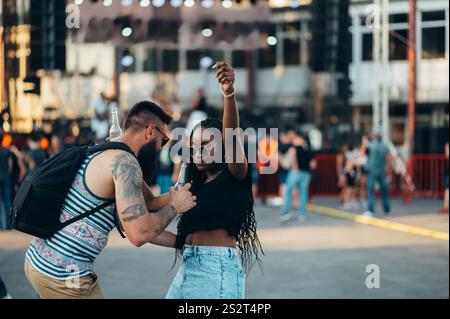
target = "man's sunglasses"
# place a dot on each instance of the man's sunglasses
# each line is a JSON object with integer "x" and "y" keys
{"x": 165, "y": 139}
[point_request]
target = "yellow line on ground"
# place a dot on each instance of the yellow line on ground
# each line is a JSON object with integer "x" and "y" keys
{"x": 378, "y": 222}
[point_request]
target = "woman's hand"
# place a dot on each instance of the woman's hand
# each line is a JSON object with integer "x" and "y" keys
{"x": 225, "y": 77}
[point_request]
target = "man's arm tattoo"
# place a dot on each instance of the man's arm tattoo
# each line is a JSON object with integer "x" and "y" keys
{"x": 128, "y": 174}
{"x": 165, "y": 215}
{"x": 133, "y": 212}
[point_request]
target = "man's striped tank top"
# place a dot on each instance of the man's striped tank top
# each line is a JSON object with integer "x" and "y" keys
{"x": 71, "y": 251}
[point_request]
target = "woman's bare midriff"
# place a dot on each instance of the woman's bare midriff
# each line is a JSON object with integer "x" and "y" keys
{"x": 212, "y": 238}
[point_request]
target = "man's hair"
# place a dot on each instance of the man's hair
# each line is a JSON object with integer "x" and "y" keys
{"x": 145, "y": 113}
{"x": 34, "y": 136}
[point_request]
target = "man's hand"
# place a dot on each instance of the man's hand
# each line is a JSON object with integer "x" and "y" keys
{"x": 225, "y": 77}
{"x": 182, "y": 200}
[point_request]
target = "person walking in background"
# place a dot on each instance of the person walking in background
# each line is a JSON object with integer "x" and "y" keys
{"x": 56, "y": 145}
{"x": 350, "y": 175}
{"x": 444, "y": 208}
{"x": 299, "y": 177}
{"x": 286, "y": 142}
{"x": 377, "y": 153}
{"x": 340, "y": 164}
{"x": 34, "y": 156}
{"x": 362, "y": 173}
{"x": 100, "y": 121}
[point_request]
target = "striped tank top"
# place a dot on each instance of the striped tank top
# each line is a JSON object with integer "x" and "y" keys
{"x": 72, "y": 250}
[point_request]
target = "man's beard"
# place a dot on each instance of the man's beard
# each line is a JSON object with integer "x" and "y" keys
{"x": 148, "y": 159}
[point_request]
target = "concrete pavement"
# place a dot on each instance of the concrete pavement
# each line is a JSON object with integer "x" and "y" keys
{"x": 322, "y": 257}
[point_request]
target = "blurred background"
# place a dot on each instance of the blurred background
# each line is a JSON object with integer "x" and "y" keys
{"x": 331, "y": 70}
{"x": 334, "y": 70}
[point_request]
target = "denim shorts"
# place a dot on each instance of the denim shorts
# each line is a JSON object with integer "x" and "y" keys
{"x": 208, "y": 273}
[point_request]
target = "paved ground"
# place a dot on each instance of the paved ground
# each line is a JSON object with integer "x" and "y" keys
{"x": 323, "y": 257}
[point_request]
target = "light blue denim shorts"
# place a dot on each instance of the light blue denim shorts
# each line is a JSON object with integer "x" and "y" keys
{"x": 208, "y": 273}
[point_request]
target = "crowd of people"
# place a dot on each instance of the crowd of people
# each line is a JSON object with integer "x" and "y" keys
{"x": 358, "y": 167}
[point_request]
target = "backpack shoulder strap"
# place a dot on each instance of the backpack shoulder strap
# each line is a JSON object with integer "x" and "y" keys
{"x": 110, "y": 146}
{"x": 86, "y": 214}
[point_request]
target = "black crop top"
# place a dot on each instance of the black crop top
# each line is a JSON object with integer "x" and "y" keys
{"x": 221, "y": 204}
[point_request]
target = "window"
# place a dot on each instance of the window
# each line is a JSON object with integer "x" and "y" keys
{"x": 398, "y": 49}
{"x": 215, "y": 55}
{"x": 170, "y": 61}
{"x": 398, "y": 18}
{"x": 397, "y": 46}
{"x": 194, "y": 57}
{"x": 433, "y": 16}
{"x": 367, "y": 47}
{"x": 433, "y": 43}
{"x": 291, "y": 51}
{"x": 150, "y": 60}
{"x": 239, "y": 57}
{"x": 193, "y": 60}
{"x": 268, "y": 57}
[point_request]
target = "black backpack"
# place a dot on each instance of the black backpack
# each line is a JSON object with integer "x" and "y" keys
{"x": 38, "y": 203}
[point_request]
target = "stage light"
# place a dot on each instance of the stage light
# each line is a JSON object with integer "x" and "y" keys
{"x": 207, "y": 32}
{"x": 206, "y": 62}
{"x": 272, "y": 40}
{"x": 176, "y": 3}
{"x": 107, "y": 3}
{"x": 78, "y": 2}
{"x": 126, "y": 3}
{"x": 144, "y": 3}
{"x": 189, "y": 3}
{"x": 158, "y": 3}
{"x": 207, "y": 4}
{"x": 127, "y": 61}
{"x": 126, "y": 32}
{"x": 294, "y": 4}
{"x": 227, "y": 4}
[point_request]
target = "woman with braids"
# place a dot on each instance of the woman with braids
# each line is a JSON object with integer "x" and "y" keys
{"x": 217, "y": 241}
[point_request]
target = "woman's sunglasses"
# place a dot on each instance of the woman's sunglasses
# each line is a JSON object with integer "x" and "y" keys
{"x": 202, "y": 150}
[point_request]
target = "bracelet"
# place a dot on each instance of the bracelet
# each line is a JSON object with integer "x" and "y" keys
{"x": 229, "y": 95}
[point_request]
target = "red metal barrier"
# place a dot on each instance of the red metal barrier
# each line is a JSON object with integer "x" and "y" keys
{"x": 325, "y": 180}
{"x": 427, "y": 172}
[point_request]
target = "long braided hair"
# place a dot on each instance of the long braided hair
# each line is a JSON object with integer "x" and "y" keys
{"x": 247, "y": 242}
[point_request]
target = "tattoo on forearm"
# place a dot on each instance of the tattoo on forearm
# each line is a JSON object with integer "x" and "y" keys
{"x": 133, "y": 212}
{"x": 127, "y": 172}
{"x": 165, "y": 215}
